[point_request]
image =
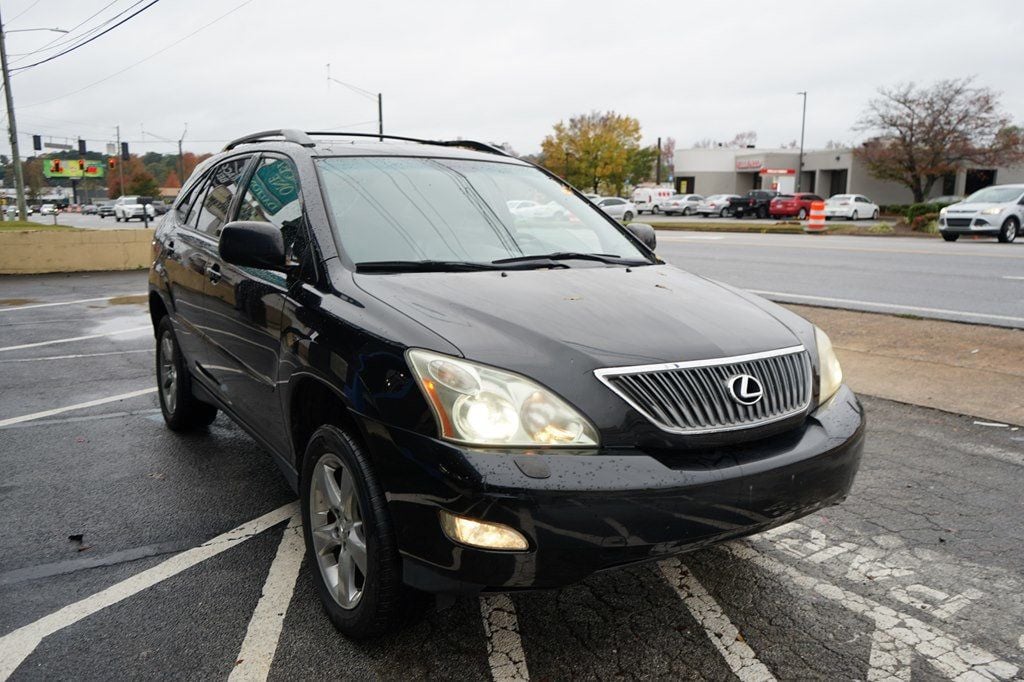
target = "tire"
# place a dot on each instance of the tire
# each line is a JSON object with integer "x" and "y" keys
{"x": 874, "y": 216}
{"x": 1008, "y": 232}
{"x": 655, "y": 210}
{"x": 182, "y": 411}
{"x": 950, "y": 236}
{"x": 375, "y": 600}
{"x": 762, "y": 213}
{"x": 627, "y": 216}
{"x": 722, "y": 214}
{"x": 801, "y": 214}
{"x": 687, "y": 211}
{"x": 854, "y": 216}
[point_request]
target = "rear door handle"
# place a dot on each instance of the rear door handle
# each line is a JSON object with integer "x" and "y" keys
{"x": 213, "y": 272}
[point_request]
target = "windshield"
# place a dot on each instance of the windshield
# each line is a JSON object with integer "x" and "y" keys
{"x": 994, "y": 195}
{"x": 448, "y": 210}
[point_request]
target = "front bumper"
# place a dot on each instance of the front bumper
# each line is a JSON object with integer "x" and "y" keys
{"x": 970, "y": 224}
{"x": 605, "y": 508}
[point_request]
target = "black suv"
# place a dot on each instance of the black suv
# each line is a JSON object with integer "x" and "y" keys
{"x": 469, "y": 396}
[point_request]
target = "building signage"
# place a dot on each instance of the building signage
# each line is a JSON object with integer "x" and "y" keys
{"x": 74, "y": 169}
{"x": 748, "y": 164}
{"x": 778, "y": 171}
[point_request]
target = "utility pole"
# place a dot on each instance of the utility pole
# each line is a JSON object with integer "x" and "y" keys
{"x": 120, "y": 161}
{"x": 380, "y": 116}
{"x": 12, "y": 128}
{"x": 803, "y": 121}
{"x": 657, "y": 166}
{"x": 181, "y": 157}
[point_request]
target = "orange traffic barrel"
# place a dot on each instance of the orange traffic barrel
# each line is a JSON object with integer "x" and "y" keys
{"x": 817, "y": 222}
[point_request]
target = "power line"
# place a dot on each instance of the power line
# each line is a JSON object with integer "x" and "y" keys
{"x": 134, "y": 64}
{"x": 86, "y": 42}
{"x": 69, "y": 38}
{"x": 24, "y": 11}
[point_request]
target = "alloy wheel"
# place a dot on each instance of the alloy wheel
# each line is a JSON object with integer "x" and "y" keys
{"x": 168, "y": 373}
{"x": 339, "y": 535}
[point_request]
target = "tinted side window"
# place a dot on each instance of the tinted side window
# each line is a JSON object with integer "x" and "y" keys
{"x": 182, "y": 206}
{"x": 223, "y": 186}
{"x": 273, "y": 196}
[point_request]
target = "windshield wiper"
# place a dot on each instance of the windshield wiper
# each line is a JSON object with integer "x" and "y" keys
{"x": 609, "y": 258}
{"x": 446, "y": 266}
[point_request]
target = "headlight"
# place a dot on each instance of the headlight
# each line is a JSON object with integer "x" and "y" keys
{"x": 485, "y": 406}
{"x": 995, "y": 210}
{"x": 942, "y": 212}
{"x": 830, "y": 374}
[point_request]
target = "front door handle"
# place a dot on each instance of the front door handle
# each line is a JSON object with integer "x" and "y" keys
{"x": 213, "y": 272}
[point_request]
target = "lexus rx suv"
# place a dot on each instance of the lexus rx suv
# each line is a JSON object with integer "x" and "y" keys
{"x": 468, "y": 398}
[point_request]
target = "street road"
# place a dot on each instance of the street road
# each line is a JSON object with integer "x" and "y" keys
{"x": 128, "y": 551}
{"x": 978, "y": 281}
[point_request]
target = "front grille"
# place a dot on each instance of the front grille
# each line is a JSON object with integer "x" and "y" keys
{"x": 958, "y": 222}
{"x": 693, "y": 397}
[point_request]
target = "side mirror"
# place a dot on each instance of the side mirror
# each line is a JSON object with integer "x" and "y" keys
{"x": 253, "y": 244}
{"x": 645, "y": 233}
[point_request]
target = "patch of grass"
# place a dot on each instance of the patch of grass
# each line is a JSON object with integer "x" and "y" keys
{"x": 29, "y": 226}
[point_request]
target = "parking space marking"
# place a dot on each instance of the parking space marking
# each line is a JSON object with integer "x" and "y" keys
{"x": 889, "y": 660}
{"x": 726, "y": 637}
{"x": 130, "y": 330}
{"x": 887, "y": 306}
{"x": 505, "y": 654}
{"x": 945, "y": 652}
{"x": 79, "y": 356}
{"x": 79, "y": 406}
{"x": 261, "y": 638}
{"x": 51, "y": 305}
{"x": 18, "y": 645}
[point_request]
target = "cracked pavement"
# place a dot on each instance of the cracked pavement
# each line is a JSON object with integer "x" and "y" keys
{"x": 918, "y": 575}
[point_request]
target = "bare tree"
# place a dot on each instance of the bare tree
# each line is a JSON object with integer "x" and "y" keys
{"x": 921, "y": 134}
{"x": 836, "y": 144}
{"x": 705, "y": 143}
{"x": 747, "y": 138}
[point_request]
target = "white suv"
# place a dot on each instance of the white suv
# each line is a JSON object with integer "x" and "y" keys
{"x": 128, "y": 207}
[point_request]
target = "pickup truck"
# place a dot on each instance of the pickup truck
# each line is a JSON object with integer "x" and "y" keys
{"x": 756, "y": 202}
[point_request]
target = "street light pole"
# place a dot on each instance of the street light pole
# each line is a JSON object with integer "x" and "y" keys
{"x": 803, "y": 122}
{"x": 12, "y": 128}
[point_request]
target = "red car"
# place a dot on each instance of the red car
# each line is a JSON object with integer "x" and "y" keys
{"x": 789, "y": 205}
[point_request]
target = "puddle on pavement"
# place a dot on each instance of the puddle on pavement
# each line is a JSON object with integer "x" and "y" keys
{"x": 119, "y": 323}
{"x": 17, "y": 301}
{"x": 139, "y": 299}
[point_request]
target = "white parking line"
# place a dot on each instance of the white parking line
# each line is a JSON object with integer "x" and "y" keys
{"x": 889, "y": 660}
{"x": 261, "y": 638}
{"x": 76, "y": 357}
{"x": 886, "y": 306}
{"x": 51, "y": 305}
{"x": 505, "y": 653}
{"x": 950, "y": 656}
{"x": 79, "y": 406}
{"x": 16, "y": 646}
{"x": 130, "y": 330}
{"x": 726, "y": 637}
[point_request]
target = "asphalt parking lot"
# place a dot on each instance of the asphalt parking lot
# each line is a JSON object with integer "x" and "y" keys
{"x": 132, "y": 552}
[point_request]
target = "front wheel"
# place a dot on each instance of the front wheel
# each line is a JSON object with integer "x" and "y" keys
{"x": 950, "y": 236}
{"x": 349, "y": 537}
{"x": 627, "y": 216}
{"x": 1009, "y": 231}
{"x": 874, "y": 216}
{"x": 182, "y": 411}
{"x": 801, "y": 214}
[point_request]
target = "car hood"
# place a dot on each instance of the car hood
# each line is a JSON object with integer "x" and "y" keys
{"x": 973, "y": 208}
{"x": 581, "y": 318}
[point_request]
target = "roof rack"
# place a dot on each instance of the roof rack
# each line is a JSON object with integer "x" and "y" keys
{"x": 306, "y": 139}
{"x": 289, "y": 135}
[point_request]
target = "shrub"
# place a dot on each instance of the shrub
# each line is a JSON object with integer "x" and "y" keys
{"x": 894, "y": 209}
{"x": 926, "y": 222}
{"x": 917, "y": 210}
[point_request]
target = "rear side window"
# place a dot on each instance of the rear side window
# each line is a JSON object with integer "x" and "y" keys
{"x": 223, "y": 185}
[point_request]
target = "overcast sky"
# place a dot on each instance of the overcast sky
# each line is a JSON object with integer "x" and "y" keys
{"x": 498, "y": 71}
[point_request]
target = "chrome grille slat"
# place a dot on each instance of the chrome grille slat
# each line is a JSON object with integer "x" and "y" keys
{"x": 693, "y": 397}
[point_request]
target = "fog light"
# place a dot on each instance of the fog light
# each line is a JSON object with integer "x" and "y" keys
{"x": 482, "y": 533}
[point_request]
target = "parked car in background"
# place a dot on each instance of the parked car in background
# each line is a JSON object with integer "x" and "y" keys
{"x": 89, "y": 209}
{"x": 509, "y": 405}
{"x": 159, "y": 207}
{"x": 996, "y": 211}
{"x": 12, "y": 209}
{"x": 525, "y": 208}
{"x": 592, "y": 197}
{"x": 48, "y": 209}
{"x": 650, "y": 199}
{"x": 754, "y": 203}
{"x": 945, "y": 200}
{"x": 105, "y": 209}
{"x": 620, "y": 209}
{"x": 128, "y": 207}
{"x": 796, "y": 205}
{"x": 851, "y": 207}
{"x": 685, "y": 204}
{"x": 715, "y": 205}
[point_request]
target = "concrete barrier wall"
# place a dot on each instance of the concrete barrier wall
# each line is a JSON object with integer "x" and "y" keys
{"x": 23, "y": 253}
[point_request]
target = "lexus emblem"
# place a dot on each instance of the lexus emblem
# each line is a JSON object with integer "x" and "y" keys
{"x": 745, "y": 389}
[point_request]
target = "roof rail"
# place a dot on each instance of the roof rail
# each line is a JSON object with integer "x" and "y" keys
{"x": 468, "y": 144}
{"x": 289, "y": 135}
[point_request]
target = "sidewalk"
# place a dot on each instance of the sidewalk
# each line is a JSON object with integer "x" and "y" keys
{"x": 962, "y": 368}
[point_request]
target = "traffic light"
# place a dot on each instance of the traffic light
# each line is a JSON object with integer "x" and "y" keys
{"x": 37, "y": 143}
{"x": 81, "y": 164}
{"x": 55, "y": 166}
{"x": 112, "y": 162}
{"x": 81, "y": 147}
{"x": 124, "y": 151}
